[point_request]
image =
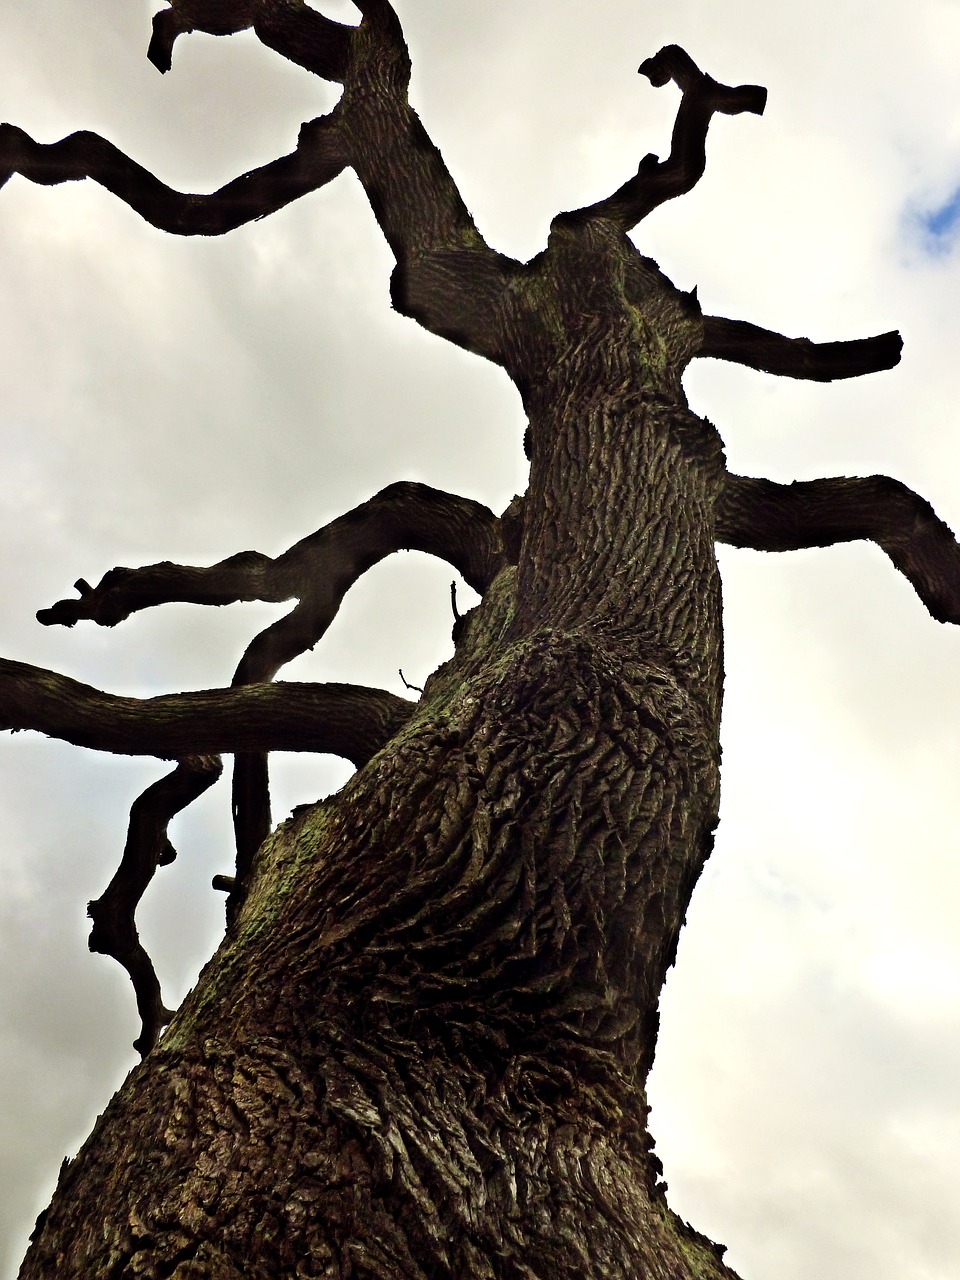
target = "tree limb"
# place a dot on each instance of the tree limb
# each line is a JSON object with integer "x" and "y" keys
{"x": 657, "y": 181}
{"x": 292, "y": 29}
{"x": 770, "y": 352}
{"x": 114, "y": 932}
{"x": 817, "y": 513}
{"x": 318, "y": 570}
{"x": 320, "y": 156}
{"x": 342, "y": 719}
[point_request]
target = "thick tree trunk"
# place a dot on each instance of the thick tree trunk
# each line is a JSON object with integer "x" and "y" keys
{"x": 422, "y": 1049}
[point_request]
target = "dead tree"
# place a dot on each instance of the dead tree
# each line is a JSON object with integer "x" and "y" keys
{"x": 421, "y": 1049}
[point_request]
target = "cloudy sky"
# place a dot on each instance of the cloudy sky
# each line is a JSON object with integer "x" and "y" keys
{"x": 167, "y": 399}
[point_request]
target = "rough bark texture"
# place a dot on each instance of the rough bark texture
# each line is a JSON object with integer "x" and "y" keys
{"x": 421, "y": 1050}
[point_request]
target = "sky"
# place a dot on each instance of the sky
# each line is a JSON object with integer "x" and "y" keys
{"x": 184, "y": 400}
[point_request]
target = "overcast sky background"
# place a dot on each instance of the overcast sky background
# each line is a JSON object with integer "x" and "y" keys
{"x": 169, "y": 399}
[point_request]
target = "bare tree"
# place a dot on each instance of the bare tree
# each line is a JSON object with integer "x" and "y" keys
{"x": 422, "y": 1047}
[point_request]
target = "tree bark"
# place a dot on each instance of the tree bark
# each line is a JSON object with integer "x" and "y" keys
{"x": 422, "y": 1049}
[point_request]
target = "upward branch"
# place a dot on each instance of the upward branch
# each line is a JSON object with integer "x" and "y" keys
{"x": 657, "y": 181}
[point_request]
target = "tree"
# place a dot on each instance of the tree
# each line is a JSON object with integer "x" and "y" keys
{"x": 568, "y": 240}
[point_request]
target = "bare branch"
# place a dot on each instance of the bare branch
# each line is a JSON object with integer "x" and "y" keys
{"x": 817, "y": 513}
{"x": 292, "y": 29}
{"x": 320, "y": 156}
{"x": 657, "y": 181}
{"x": 748, "y": 344}
{"x": 217, "y": 17}
{"x": 318, "y": 570}
{"x": 114, "y": 932}
{"x": 342, "y": 719}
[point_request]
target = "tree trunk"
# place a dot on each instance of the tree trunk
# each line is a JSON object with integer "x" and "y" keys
{"x": 422, "y": 1049}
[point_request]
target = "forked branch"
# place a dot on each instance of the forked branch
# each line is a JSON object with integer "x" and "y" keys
{"x": 657, "y": 181}
{"x": 114, "y": 932}
{"x": 318, "y": 570}
{"x": 818, "y": 513}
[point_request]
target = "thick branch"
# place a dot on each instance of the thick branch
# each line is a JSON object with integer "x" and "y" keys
{"x": 320, "y": 156}
{"x": 342, "y": 719}
{"x": 817, "y": 513}
{"x": 292, "y": 29}
{"x": 657, "y": 181}
{"x": 744, "y": 343}
{"x": 114, "y": 931}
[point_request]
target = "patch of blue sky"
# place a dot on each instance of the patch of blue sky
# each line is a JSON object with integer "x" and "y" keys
{"x": 940, "y": 227}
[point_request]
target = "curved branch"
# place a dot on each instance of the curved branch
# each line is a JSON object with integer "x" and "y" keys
{"x": 216, "y": 17}
{"x": 318, "y": 570}
{"x": 320, "y": 156}
{"x": 404, "y": 515}
{"x": 818, "y": 513}
{"x": 114, "y": 932}
{"x": 342, "y": 719}
{"x": 657, "y": 181}
{"x": 292, "y": 29}
{"x": 770, "y": 352}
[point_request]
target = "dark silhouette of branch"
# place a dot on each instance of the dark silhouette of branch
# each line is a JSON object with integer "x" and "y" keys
{"x": 748, "y": 344}
{"x": 318, "y": 570}
{"x": 657, "y": 181}
{"x": 817, "y": 513}
{"x": 292, "y": 29}
{"x": 320, "y": 156}
{"x": 342, "y": 719}
{"x": 114, "y": 932}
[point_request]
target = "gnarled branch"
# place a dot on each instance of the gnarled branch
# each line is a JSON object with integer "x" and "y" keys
{"x": 320, "y": 156}
{"x": 114, "y": 932}
{"x": 319, "y": 569}
{"x": 657, "y": 181}
{"x": 770, "y": 352}
{"x": 341, "y": 719}
{"x": 817, "y": 513}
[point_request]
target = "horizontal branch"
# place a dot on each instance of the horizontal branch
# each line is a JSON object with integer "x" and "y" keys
{"x": 114, "y": 932}
{"x": 818, "y": 513}
{"x": 341, "y": 719}
{"x": 318, "y": 570}
{"x": 657, "y": 181}
{"x": 770, "y": 352}
{"x": 320, "y": 156}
